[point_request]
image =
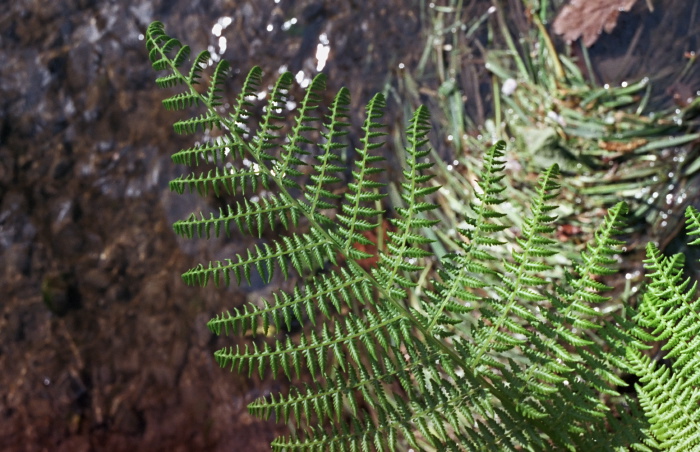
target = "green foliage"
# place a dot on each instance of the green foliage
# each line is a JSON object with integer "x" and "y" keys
{"x": 473, "y": 353}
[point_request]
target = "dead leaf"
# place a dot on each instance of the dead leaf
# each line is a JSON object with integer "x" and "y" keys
{"x": 622, "y": 146}
{"x": 588, "y": 18}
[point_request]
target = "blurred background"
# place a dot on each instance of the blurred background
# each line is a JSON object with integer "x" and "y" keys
{"x": 102, "y": 346}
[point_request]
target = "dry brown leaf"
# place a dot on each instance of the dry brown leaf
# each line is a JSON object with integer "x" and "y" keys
{"x": 588, "y": 18}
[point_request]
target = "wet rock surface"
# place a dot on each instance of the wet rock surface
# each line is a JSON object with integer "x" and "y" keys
{"x": 102, "y": 347}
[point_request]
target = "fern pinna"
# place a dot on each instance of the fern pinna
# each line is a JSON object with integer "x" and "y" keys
{"x": 485, "y": 354}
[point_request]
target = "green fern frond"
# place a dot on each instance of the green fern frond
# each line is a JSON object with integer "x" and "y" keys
{"x": 465, "y": 272}
{"x": 252, "y": 217}
{"x": 319, "y": 195}
{"x": 460, "y": 352}
{"x": 358, "y": 214}
{"x": 213, "y": 97}
{"x": 327, "y": 294}
{"x": 669, "y": 393}
{"x": 230, "y": 180}
{"x": 502, "y": 334}
{"x": 693, "y": 224}
{"x": 200, "y": 63}
{"x": 302, "y": 252}
{"x": 290, "y": 159}
{"x": 214, "y": 152}
{"x": 244, "y": 106}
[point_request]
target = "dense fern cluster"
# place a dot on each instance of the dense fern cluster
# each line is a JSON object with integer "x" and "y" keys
{"x": 480, "y": 354}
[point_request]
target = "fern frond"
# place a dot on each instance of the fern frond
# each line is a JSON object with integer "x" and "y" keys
{"x": 243, "y": 108}
{"x": 404, "y": 245}
{"x": 464, "y": 273}
{"x": 692, "y": 222}
{"x": 200, "y": 63}
{"x": 357, "y": 214}
{"x": 215, "y": 152}
{"x": 213, "y": 97}
{"x": 250, "y": 216}
{"x": 328, "y": 294}
{"x": 181, "y": 101}
{"x": 266, "y": 136}
{"x": 290, "y": 159}
{"x": 204, "y": 123}
{"x": 460, "y": 352}
{"x": 503, "y": 334}
{"x": 302, "y": 252}
{"x": 159, "y": 45}
{"x": 319, "y": 195}
{"x": 231, "y": 180}
{"x": 669, "y": 394}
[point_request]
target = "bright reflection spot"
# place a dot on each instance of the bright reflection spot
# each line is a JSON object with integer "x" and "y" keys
{"x": 270, "y": 27}
{"x": 623, "y": 84}
{"x": 401, "y": 65}
{"x": 141, "y": 37}
{"x": 509, "y": 87}
{"x": 217, "y": 30}
{"x": 215, "y": 57}
{"x": 288, "y": 24}
{"x": 556, "y": 118}
{"x": 220, "y": 25}
{"x": 302, "y": 79}
{"x": 323, "y": 49}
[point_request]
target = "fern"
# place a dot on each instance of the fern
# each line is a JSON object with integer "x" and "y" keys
{"x": 669, "y": 394}
{"x": 484, "y": 355}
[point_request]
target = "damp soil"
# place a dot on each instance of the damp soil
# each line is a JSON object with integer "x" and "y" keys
{"x": 102, "y": 346}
